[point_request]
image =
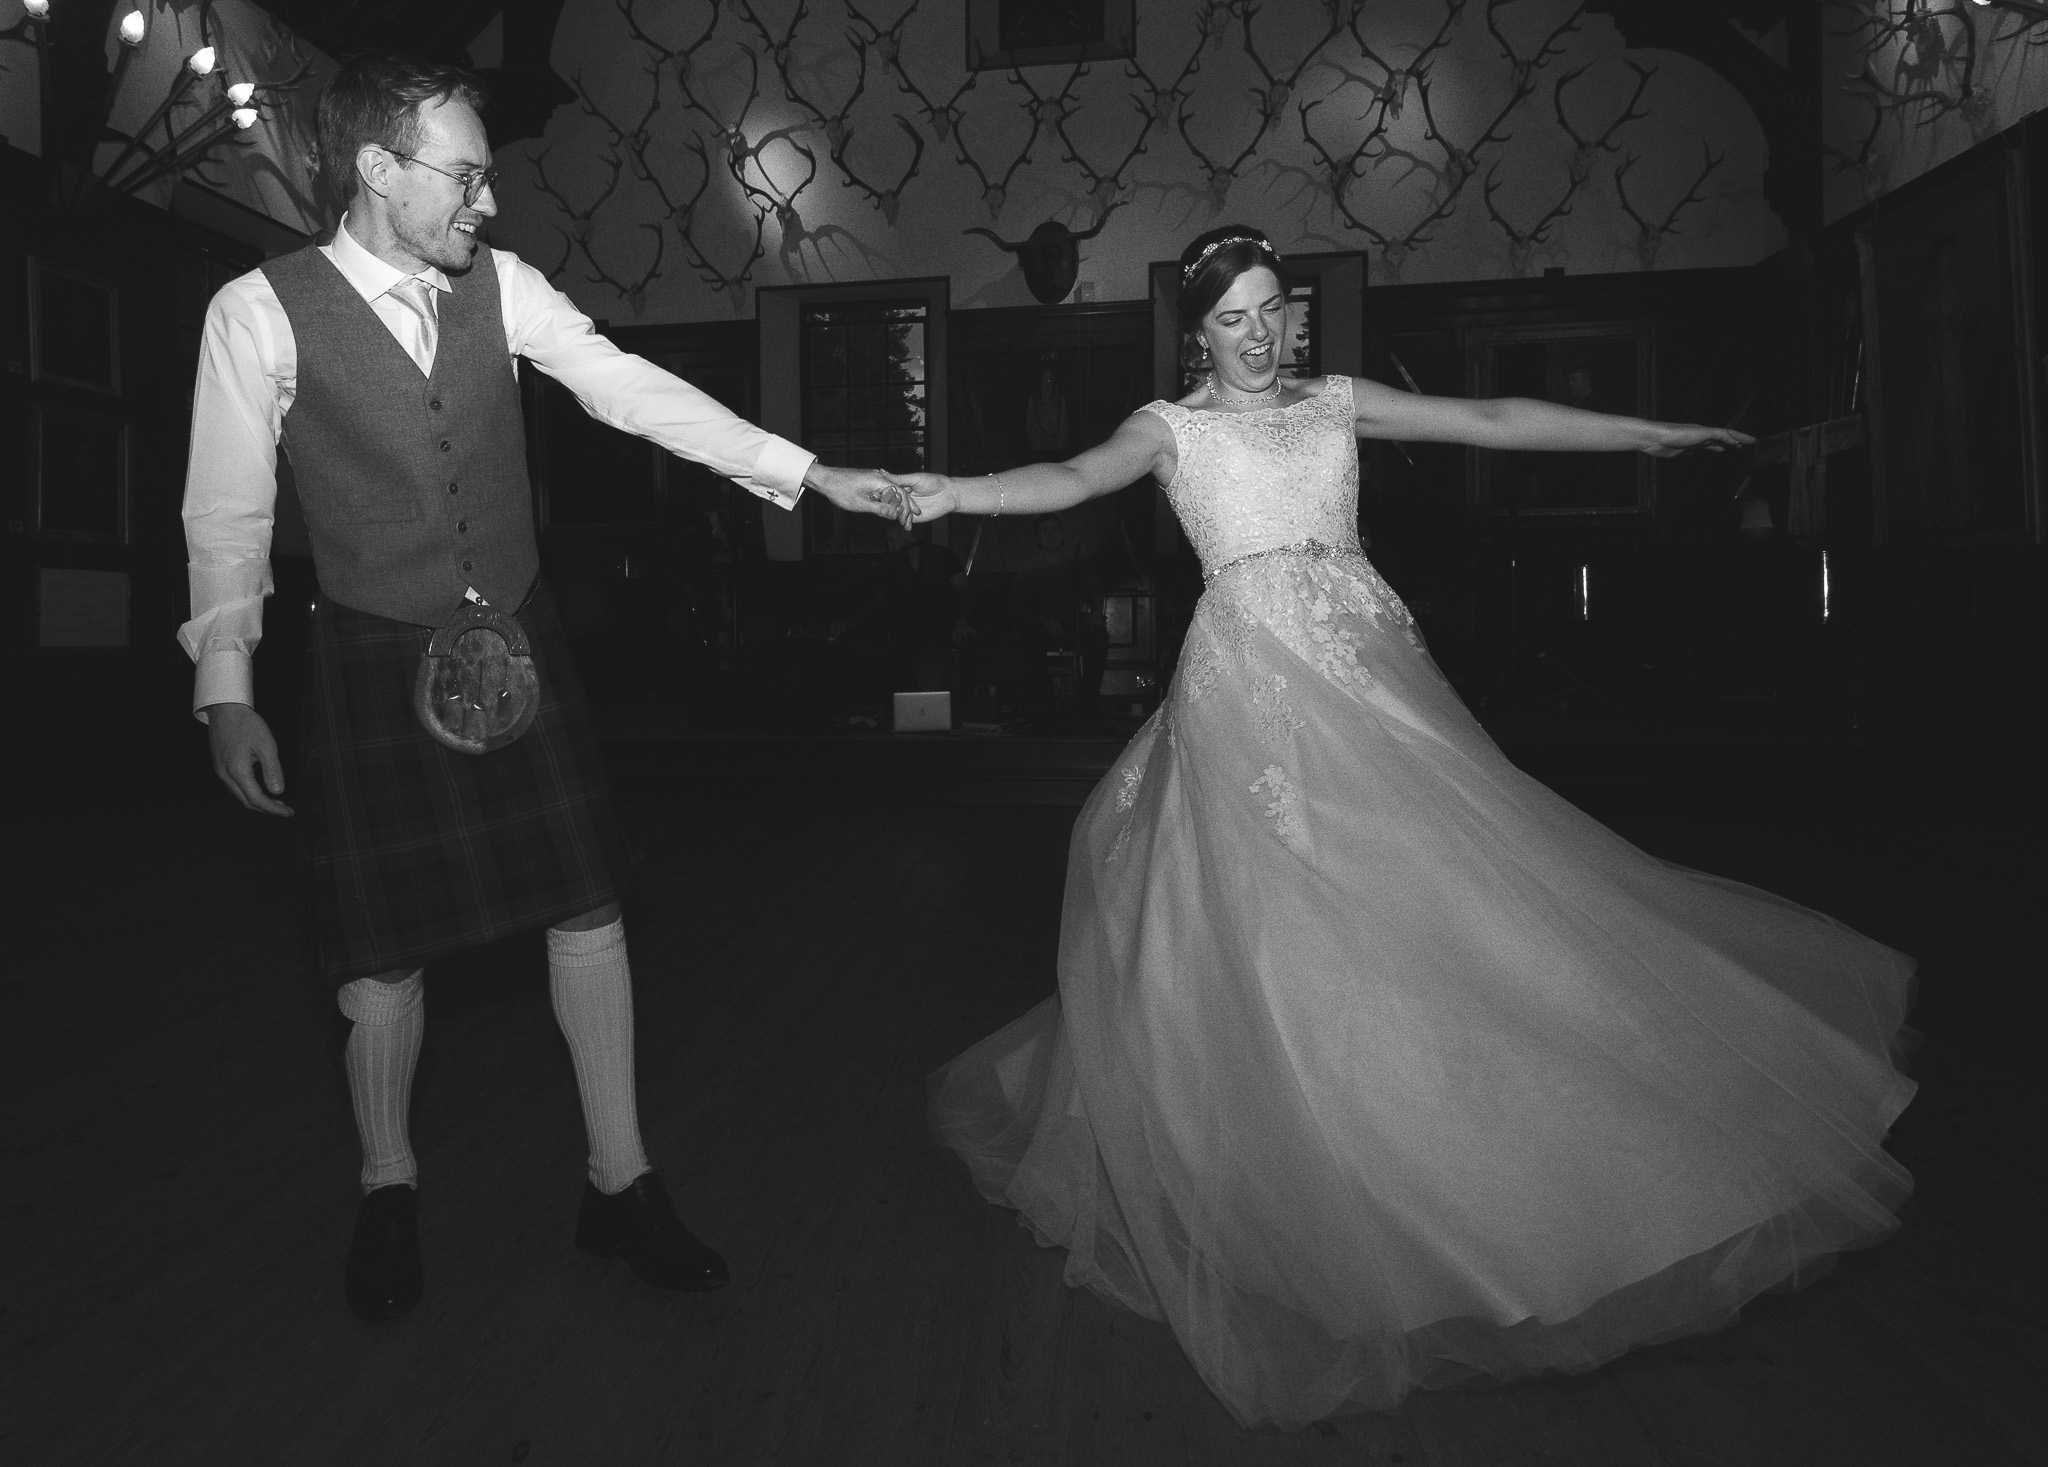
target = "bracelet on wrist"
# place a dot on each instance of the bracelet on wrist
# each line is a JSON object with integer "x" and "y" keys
{"x": 1002, "y": 499}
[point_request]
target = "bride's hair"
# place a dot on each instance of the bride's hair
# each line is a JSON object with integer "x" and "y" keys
{"x": 1208, "y": 266}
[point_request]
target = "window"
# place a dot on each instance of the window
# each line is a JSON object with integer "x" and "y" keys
{"x": 1300, "y": 359}
{"x": 885, "y": 342}
{"x": 864, "y": 401}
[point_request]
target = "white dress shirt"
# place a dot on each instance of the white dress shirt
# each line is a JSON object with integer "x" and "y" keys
{"x": 248, "y": 378}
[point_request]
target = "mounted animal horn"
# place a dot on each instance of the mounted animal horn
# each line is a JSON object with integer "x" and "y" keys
{"x": 1051, "y": 257}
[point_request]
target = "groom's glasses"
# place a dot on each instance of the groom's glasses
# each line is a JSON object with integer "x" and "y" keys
{"x": 473, "y": 184}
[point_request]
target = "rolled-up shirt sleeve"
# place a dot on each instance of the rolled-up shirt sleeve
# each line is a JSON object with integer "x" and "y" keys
{"x": 231, "y": 492}
{"x": 633, "y": 395}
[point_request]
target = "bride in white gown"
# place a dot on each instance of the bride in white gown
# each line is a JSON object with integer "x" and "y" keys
{"x": 1374, "y": 1063}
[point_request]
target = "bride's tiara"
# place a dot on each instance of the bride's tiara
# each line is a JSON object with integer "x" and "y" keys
{"x": 1207, "y": 250}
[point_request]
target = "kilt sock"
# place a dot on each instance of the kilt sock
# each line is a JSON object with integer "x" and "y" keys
{"x": 383, "y": 1049}
{"x": 592, "y": 989}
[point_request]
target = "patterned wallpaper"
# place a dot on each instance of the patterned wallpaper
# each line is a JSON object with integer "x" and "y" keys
{"x": 722, "y": 145}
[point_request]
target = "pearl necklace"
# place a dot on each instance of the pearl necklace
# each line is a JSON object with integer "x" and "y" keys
{"x": 1242, "y": 399}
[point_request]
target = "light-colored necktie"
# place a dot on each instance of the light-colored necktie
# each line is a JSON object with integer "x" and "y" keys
{"x": 418, "y": 297}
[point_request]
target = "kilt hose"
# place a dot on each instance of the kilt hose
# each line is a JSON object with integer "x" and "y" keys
{"x": 419, "y": 851}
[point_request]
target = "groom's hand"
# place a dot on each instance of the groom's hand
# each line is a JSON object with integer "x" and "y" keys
{"x": 245, "y": 757}
{"x": 863, "y": 491}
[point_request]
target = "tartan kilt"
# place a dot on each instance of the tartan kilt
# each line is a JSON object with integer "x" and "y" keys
{"x": 419, "y": 851}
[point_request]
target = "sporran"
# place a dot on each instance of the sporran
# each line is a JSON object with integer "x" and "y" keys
{"x": 477, "y": 688}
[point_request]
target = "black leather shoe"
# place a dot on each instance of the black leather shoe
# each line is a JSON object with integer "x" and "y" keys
{"x": 383, "y": 1276}
{"x": 639, "y": 1225}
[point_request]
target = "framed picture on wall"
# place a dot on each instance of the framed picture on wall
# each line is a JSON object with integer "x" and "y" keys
{"x": 1605, "y": 367}
{"x": 1006, "y": 33}
{"x": 81, "y": 476}
{"x": 74, "y": 329}
{"x": 1950, "y": 363}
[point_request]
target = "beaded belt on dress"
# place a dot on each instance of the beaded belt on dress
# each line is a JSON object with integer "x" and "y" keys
{"x": 1313, "y": 548}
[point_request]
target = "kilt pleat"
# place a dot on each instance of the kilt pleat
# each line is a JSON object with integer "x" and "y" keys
{"x": 419, "y": 851}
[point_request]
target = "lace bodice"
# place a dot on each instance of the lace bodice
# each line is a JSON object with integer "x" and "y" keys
{"x": 1267, "y": 480}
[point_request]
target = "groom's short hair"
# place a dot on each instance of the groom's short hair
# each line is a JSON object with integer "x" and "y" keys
{"x": 376, "y": 98}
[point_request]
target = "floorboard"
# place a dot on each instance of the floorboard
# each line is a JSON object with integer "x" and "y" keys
{"x": 180, "y": 1159}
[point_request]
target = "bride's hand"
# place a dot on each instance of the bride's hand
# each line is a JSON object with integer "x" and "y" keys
{"x": 1672, "y": 439}
{"x": 930, "y": 496}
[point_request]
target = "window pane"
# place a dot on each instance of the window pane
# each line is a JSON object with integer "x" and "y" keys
{"x": 865, "y": 405}
{"x": 865, "y": 351}
{"x": 828, "y": 354}
{"x": 906, "y": 407}
{"x": 906, "y": 351}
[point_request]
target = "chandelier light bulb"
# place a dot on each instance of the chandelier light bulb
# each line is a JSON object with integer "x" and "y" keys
{"x": 201, "y": 61}
{"x": 37, "y": 9}
{"x": 133, "y": 26}
{"x": 241, "y": 92}
{"x": 245, "y": 117}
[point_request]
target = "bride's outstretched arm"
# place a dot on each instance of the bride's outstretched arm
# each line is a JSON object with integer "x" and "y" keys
{"x": 1523, "y": 423}
{"x": 1142, "y": 445}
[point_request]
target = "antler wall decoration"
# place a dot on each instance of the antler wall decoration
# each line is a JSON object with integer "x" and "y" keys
{"x": 1523, "y": 243}
{"x": 1271, "y": 98}
{"x": 1454, "y": 165}
{"x": 1340, "y": 112}
{"x": 1586, "y": 151}
{"x": 1922, "y": 63}
{"x": 1650, "y": 237}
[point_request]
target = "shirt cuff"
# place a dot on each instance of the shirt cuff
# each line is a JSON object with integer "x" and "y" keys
{"x": 224, "y": 677}
{"x": 779, "y": 472}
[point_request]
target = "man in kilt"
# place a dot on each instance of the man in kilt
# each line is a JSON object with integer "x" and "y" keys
{"x": 384, "y": 362}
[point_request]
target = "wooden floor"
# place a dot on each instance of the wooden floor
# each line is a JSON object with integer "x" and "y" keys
{"x": 180, "y": 1178}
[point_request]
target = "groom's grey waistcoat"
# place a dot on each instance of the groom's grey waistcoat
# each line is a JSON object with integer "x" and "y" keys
{"x": 414, "y": 487}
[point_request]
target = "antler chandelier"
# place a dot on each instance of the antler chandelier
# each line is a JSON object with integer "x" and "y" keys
{"x": 142, "y": 161}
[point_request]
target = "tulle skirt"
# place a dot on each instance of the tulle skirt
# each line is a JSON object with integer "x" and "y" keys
{"x": 1376, "y": 1065}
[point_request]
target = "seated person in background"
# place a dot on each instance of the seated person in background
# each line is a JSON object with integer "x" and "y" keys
{"x": 1055, "y": 606}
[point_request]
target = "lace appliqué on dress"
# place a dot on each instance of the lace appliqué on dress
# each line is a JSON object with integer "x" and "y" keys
{"x": 1131, "y": 779}
{"x": 1223, "y": 632}
{"x": 1336, "y": 645}
{"x": 1269, "y": 704}
{"x": 1127, "y": 792}
{"x": 1284, "y": 808}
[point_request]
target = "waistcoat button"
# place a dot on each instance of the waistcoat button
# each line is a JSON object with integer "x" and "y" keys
{"x": 462, "y": 528}
{"x": 452, "y": 486}
{"x": 446, "y": 445}
{"x": 465, "y": 565}
{"x": 435, "y": 404}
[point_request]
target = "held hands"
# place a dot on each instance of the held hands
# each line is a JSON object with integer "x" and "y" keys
{"x": 929, "y": 496}
{"x": 242, "y": 745}
{"x": 908, "y": 499}
{"x": 861, "y": 491}
{"x": 1672, "y": 439}
{"x": 904, "y": 498}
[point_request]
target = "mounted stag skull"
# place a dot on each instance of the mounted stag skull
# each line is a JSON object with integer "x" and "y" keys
{"x": 1050, "y": 258}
